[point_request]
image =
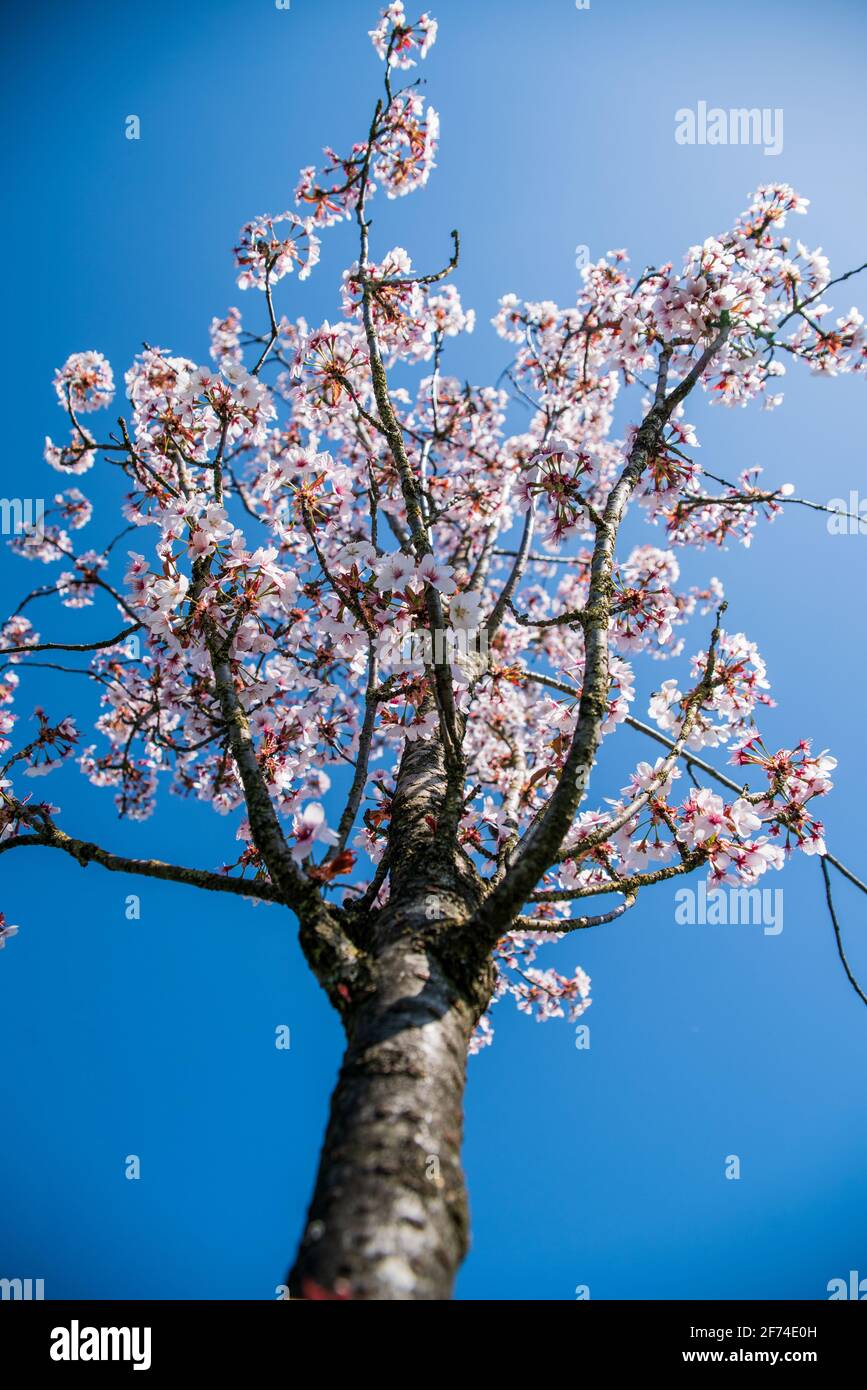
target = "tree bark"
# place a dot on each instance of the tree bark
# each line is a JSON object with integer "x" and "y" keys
{"x": 389, "y": 1217}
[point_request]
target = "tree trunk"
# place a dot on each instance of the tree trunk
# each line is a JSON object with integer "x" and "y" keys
{"x": 389, "y": 1218}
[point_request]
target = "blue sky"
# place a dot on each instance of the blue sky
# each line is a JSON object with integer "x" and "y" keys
{"x": 601, "y": 1167}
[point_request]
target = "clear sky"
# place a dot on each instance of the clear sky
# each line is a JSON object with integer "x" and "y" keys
{"x": 602, "y": 1167}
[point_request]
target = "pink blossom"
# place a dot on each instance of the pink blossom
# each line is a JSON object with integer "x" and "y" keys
{"x": 309, "y": 828}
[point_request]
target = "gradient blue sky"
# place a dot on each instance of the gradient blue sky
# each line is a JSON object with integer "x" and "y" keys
{"x": 600, "y": 1167}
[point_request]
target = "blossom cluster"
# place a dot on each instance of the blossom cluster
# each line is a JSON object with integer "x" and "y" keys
{"x": 283, "y": 539}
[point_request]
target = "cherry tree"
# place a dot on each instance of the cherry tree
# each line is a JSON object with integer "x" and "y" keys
{"x": 387, "y": 638}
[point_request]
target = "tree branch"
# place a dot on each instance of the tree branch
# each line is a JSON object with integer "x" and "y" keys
{"x": 838, "y": 935}
{"x": 85, "y": 852}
